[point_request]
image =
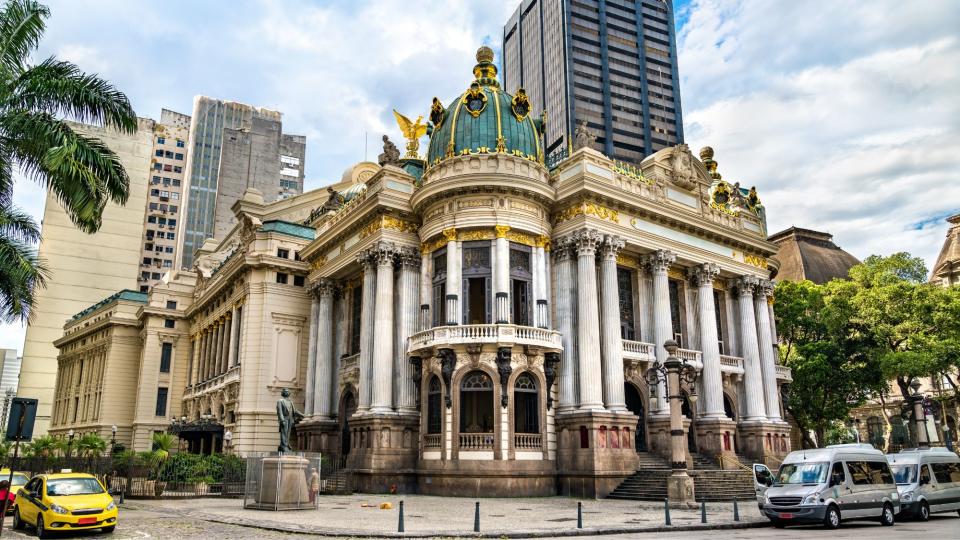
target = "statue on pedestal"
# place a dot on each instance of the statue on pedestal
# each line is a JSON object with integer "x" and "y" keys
{"x": 287, "y": 417}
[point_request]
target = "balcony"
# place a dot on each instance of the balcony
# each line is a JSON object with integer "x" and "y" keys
{"x": 732, "y": 365}
{"x": 431, "y": 440}
{"x": 232, "y": 374}
{"x": 528, "y": 441}
{"x": 504, "y": 335}
{"x": 639, "y": 350}
{"x": 784, "y": 373}
{"x": 476, "y": 441}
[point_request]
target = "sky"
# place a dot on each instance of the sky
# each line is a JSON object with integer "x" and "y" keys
{"x": 844, "y": 114}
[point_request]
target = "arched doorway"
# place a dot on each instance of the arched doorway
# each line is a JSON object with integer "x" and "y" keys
{"x": 635, "y": 405}
{"x": 686, "y": 408}
{"x": 348, "y": 406}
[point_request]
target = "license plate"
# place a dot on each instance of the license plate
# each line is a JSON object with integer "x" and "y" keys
{"x": 87, "y": 521}
{"x": 786, "y": 516}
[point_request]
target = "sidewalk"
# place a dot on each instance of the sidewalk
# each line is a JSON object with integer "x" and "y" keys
{"x": 426, "y": 516}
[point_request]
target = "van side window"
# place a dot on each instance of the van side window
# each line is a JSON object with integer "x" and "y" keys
{"x": 924, "y": 475}
{"x": 880, "y": 473}
{"x": 946, "y": 472}
{"x": 859, "y": 472}
{"x": 837, "y": 476}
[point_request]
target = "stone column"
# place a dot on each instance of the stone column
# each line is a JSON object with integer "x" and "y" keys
{"x": 658, "y": 263}
{"x": 768, "y": 362}
{"x": 218, "y": 349}
{"x": 588, "y": 320}
{"x": 501, "y": 275}
{"x": 610, "y": 308}
{"x": 323, "y": 366}
{"x": 365, "y": 362}
{"x": 311, "y": 355}
{"x": 712, "y": 380}
{"x": 566, "y": 303}
{"x": 752, "y": 376}
{"x": 543, "y": 301}
{"x": 234, "y": 337}
{"x": 454, "y": 314}
{"x": 382, "y": 399}
{"x": 341, "y": 337}
{"x": 426, "y": 292}
{"x": 204, "y": 354}
{"x": 194, "y": 361}
{"x": 406, "y": 325}
{"x": 227, "y": 340}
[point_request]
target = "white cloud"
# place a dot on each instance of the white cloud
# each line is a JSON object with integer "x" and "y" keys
{"x": 843, "y": 114}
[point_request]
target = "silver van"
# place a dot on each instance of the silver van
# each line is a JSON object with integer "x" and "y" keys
{"x": 829, "y": 485}
{"x": 928, "y": 481}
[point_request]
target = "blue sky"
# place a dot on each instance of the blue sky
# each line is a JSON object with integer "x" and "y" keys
{"x": 843, "y": 113}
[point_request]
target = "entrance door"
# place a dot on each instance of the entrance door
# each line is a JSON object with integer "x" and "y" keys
{"x": 348, "y": 406}
{"x": 635, "y": 405}
{"x": 687, "y": 410}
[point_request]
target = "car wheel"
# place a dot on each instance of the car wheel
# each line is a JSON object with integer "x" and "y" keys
{"x": 41, "y": 531}
{"x": 17, "y": 521}
{"x": 832, "y": 519}
{"x": 886, "y": 517}
{"x": 924, "y": 513}
{"x": 108, "y": 530}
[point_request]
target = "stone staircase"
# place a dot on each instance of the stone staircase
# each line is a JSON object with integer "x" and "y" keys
{"x": 711, "y": 483}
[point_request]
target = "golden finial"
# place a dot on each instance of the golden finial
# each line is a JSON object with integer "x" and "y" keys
{"x": 484, "y": 54}
{"x": 485, "y": 71}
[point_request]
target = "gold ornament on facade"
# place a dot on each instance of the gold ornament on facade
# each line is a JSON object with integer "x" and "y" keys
{"x": 520, "y": 105}
{"x": 318, "y": 262}
{"x": 475, "y": 234}
{"x": 521, "y": 238}
{"x": 501, "y": 230}
{"x": 628, "y": 261}
{"x": 474, "y": 100}
{"x": 754, "y": 260}
{"x": 387, "y": 222}
{"x": 450, "y": 234}
{"x": 412, "y": 131}
{"x": 437, "y": 113}
{"x": 630, "y": 171}
{"x": 587, "y": 208}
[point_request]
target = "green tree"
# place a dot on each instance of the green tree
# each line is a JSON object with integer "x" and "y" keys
{"x": 45, "y": 446}
{"x": 90, "y": 445}
{"x": 834, "y": 368}
{"x": 36, "y": 140}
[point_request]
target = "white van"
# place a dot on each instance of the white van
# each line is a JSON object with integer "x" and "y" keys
{"x": 829, "y": 485}
{"x": 928, "y": 481}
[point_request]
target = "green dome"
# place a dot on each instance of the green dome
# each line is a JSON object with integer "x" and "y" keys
{"x": 485, "y": 119}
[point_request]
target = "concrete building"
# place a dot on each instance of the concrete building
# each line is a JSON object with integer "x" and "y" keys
{"x": 611, "y": 63}
{"x": 808, "y": 254}
{"x": 233, "y": 147}
{"x": 165, "y": 198}
{"x": 86, "y": 268}
{"x": 9, "y": 377}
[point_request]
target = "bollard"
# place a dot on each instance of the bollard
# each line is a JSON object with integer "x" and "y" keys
{"x": 476, "y": 518}
{"x": 736, "y": 511}
{"x": 579, "y": 515}
{"x": 400, "y": 523}
{"x": 703, "y": 511}
{"x": 666, "y": 511}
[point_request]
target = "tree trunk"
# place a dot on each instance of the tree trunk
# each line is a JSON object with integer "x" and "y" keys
{"x": 821, "y": 435}
{"x": 888, "y": 430}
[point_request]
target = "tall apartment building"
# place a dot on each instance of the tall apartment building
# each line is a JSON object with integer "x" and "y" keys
{"x": 165, "y": 198}
{"x": 612, "y": 63}
{"x": 9, "y": 376}
{"x": 233, "y": 147}
{"x": 85, "y": 268}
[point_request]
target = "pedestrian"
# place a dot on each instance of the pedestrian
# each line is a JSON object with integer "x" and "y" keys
{"x": 314, "y": 484}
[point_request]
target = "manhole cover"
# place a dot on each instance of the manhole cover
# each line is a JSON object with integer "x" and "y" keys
{"x": 558, "y": 520}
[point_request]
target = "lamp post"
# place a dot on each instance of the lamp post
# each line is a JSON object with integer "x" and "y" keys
{"x": 113, "y": 438}
{"x": 70, "y": 435}
{"x": 673, "y": 371}
{"x": 228, "y": 440}
{"x": 918, "y": 414}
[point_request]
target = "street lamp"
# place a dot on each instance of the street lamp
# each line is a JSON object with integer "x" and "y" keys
{"x": 113, "y": 438}
{"x": 228, "y": 439}
{"x": 673, "y": 371}
{"x": 918, "y": 414}
{"x": 70, "y": 435}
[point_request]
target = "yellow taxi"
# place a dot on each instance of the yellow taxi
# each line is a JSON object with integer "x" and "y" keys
{"x": 64, "y": 501}
{"x": 17, "y": 479}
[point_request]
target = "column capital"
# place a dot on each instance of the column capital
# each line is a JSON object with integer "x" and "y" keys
{"x": 450, "y": 235}
{"x": 587, "y": 241}
{"x": 612, "y": 244}
{"x": 409, "y": 258}
{"x": 563, "y": 248}
{"x": 366, "y": 259}
{"x": 501, "y": 230}
{"x": 384, "y": 253}
{"x": 659, "y": 261}
{"x": 703, "y": 274}
{"x": 764, "y": 288}
{"x": 325, "y": 287}
{"x": 744, "y": 285}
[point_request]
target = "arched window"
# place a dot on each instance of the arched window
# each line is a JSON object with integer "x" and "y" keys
{"x": 526, "y": 405}
{"x": 434, "y": 408}
{"x": 476, "y": 403}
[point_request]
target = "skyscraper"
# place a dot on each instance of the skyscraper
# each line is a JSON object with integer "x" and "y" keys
{"x": 612, "y": 63}
{"x": 233, "y": 147}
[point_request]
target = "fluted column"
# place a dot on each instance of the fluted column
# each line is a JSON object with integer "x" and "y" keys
{"x": 234, "y": 337}
{"x": 382, "y": 399}
{"x": 311, "y": 354}
{"x": 588, "y": 320}
{"x": 566, "y": 303}
{"x": 752, "y": 376}
{"x": 610, "y": 309}
{"x": 501, "y": 274}
{"x": 341, "y": 338}
{"x": 768, "y": 363}
{"x": 702, "y": 277}
{"x": 217, "y": 349}
{"x": 323, "y": 372}
{"x": 426, "y": 291}
{"x": 194, "y": 359}
{"x": 204, "y": 354}
{"x": 211, "y": 349}
{"x": 365, "y": 361}
{"x": 227, "y": 340}
{"x": 454, "y": 286}
{"x": 657, "y": 264}
{"x": 406, "y": 325}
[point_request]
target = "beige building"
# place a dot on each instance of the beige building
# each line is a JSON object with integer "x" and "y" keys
{"x": 85, "y": 268}
{"x": 946, "y": 270}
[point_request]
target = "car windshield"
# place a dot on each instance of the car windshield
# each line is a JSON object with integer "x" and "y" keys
{"x": 802, "y": 473}
{"x": 904, "y": 474}
{"x": 74, "y": 486}
{"x": 19, "y": 479}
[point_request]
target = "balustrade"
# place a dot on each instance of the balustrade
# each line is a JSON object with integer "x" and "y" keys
{"x": 431, "y": 440}
{"x": 528, "y": 441}
{"x": 484, "y": 333}
{"x": 476, "y": 441}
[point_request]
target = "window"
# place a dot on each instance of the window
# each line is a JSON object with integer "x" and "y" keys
{"x": 147, "y": 260}
{"x": 155, "y": 275}
{"x": 296, "y": 255}
{"x": 476, "y": 283}
{"x": 674, "y": 288}
{"x": 161, "y": 140}
{"x": 168, "y": 249}
{"x": 168, "y": 154}
{"x": 153, "y": 206}
{"x": 144, "y": 288}
{"x": 145, "y": 275}
{"x": 161, "y": 221}
{"x": 946, "y": 472}
{"x": 166, "y": 181}
{"x": 148, "y": 247}
{"x": 166, "y": 351}
{"x": 289, "y": 184}
{"x": 178, "y": 156}
{"x": 175, "y": 196}
{"x": 161, "y": 402}
{"x": 156, "y": 180}
{"x": 861, "y": 473}
{"x": 298, "y": 281}
{"x": 158, "y": 167}
{"x": 167, "y": 168}
{"x": 172, "y": 222}
{"x": 158, "y": 153}
{"x": 719, "y": 317}
{"x": 625, "y": 293}
{"x": 283, "y": 253}
{"x": 171, "y": 236}
{"x": 356, "y": 306}
{"x": 174, "y": 208}
{"x": 282, "y": 278}
{"x": 168, "y": 264}
{"x": 521, "y": 308}
{"x": 162, "y": 207}
{"x": 164, "y": 193}
{"x": 180, "y": 143}
{"x": 526, "y": 417}
{"x": 440, "y": 287}
{"x": 151, "y": 219}
{"x": 924, "y": 475}
{"x": 476, "y": 404}
{"x": 155, "y": 192}
{"x": 434, "y": 407}
{"x": 169, "y": 323}
{"x": 176, "y": 183}
{"x": 177, "y": 168}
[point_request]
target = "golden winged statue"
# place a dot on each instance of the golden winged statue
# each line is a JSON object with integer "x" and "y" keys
{"x": 412, "y": 131}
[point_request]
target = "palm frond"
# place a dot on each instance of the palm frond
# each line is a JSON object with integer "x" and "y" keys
{"x": 21, "y": 27}
{"x": 17, "y": 225}
{"x": 21, "y": 269}
{"x": 59, "y": 87}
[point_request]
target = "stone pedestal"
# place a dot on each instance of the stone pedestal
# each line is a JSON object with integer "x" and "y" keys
{"x": 716, "y": 437}
{"x": 323, "y": 436}
{"x": 383, "y": 453}
{"x": 680, "y": 490}
{"x": 658, "y": 432}
{"x": 595, "y": 451}
{"x": 760, "y": 440}
{"x": 283, "y": 484}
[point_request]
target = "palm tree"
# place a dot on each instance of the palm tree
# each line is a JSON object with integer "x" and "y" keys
{"x": 90, "y": 445}
{"x": 162, "y": 443}
{"x": 37, "y": 141}
{"x": 45, "y": 446}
